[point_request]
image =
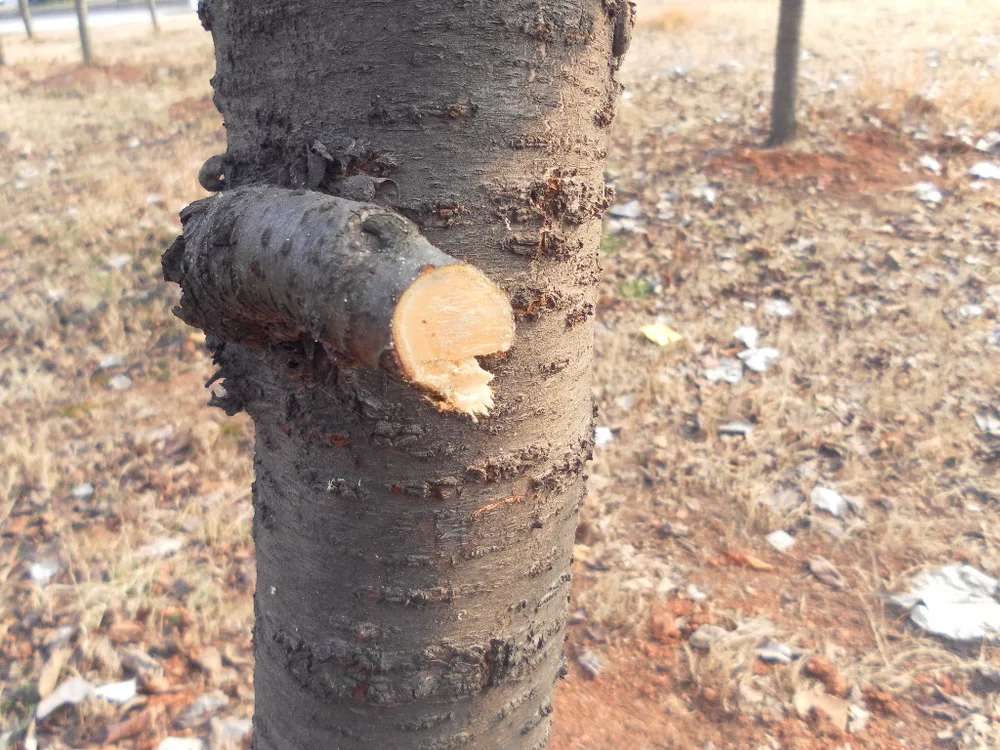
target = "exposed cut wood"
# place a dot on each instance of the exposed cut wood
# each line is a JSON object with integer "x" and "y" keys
{"x": 352, "y": 276}
{"x": 444, "y": 320}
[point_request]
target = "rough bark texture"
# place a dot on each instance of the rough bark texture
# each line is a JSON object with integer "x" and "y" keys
{"x": 81, "y": 18}
{"x": 289, "y": 265}
{"x": 783, "y": 122}
{"x": 153, "y": 15}
{"x": 22, "y": 6}
{"x": 413, "y": 566}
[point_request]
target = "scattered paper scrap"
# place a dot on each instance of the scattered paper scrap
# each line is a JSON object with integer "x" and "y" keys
{"x": 759, "y": 360}
{"x": 748, "y": 336}
{"x": 117, "y": 692}
{"x": 69, "y": 693}
{"x": 781, "y": 540}
{"x": 44, "y": 571}
{"x": 590, "y": 663}
{"x": 729, "y": 370}
{"x": 985, "y": 170}
{"x": 603, "y": 436}
{"x": 735, "y": 428}
{"x": 780, "y": 307}
{"x": 161, "y": 547}
{"x": 827, "y": 500}
{"x": 929, "y": 163}
{"x": 927, "y": 192}
{"x": 956, "y": 601}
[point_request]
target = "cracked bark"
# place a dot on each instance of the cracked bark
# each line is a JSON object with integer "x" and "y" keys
{"x": 413, "y": 564}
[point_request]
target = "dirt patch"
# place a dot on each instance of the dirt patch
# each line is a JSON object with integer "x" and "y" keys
{"x": 866, "y": 162}
{"x": 79, "y": 79}
{"x": 193, "y": 109}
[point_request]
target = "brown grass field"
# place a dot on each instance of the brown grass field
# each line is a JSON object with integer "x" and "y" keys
{"x": 125, "y": 546}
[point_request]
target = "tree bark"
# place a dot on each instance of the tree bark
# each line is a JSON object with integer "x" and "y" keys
{"x": 22, "y": 6}
{"x": 154, "y": 16}
{"x": 81, "y": 17}
{"x": 413, "y": 563}
{"x": 783, "y": 121}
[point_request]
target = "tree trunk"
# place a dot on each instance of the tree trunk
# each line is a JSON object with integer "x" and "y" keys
{"x": 786, "y": 68}
{"x": 414, "y": 521}
{"x": 154, "y": 15}
{"x": 22, "y": 6}
{"x": 81, "y": 17}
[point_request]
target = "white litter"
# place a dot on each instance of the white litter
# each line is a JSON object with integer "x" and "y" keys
{"x": 630, "y": 210}
{"x": 117, "y": 692}
{"x": 603, "y": 436}
{"x": 828, "y": 500}
{"x": 780, "y": 307}
{"x": 988, "y": 142}
{"x": 119, "y": 261}
{"x": 988, "y": 424}
{"x": 43, "y": 572}
{"x": 729, "y": 370}
{"x": 759, "y": 360}
{"x": 735, "y": 428}
{"x": 985, "y": 170}
{"x": 68, "y": 693}
{"x": 927, "y": 192}
{"x": 706, "y": 193}
{"x": 929, "y": 163}
{"x": 111, "y": 361}
{"x": 83, "y": 491}
{"x": 775, "y": 653}
{"x": 120, "y": 383}
{"x": 956, "y": 601}
{"x": 781, "y": 540}
{"x": 160, "y": 547}
{"x": 971, "y": 311}
{"x": 748, "y": 336}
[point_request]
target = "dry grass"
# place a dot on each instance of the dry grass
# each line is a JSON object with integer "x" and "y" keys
{"x": 879, "y": 379}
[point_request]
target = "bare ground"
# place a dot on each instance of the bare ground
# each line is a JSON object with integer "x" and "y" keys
{"x": 124, "y": 511}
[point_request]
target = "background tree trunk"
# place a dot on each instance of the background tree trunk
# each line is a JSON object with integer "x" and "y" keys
{"x": 154, "y": 16}
{"x": 81, "y": 17}
{"x": 22, "y": 6}
{"x": 414, "y": 565}
{"x": 786, "y": 66}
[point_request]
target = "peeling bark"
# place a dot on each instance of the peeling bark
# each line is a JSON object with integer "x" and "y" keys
{"x": 413, "y": 565}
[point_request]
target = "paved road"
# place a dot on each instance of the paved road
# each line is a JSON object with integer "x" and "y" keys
{"x": 61, "y": 20}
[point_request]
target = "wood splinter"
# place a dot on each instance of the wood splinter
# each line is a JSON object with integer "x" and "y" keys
{"x": 265, "y": 265}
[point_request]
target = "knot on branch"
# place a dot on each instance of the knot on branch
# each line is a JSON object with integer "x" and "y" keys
{"x": 263, "y": 266}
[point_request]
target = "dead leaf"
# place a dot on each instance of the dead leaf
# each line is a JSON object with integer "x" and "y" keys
{"x": 837, "y": 710}
{"x": 49, "y": 675}
{"x": 826, "y": 573}
{"x": 822, "y": 670}
{"x": 661, "y": 335}
{"x": 749, "y": 561}
{"x": 130, "y": 727}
